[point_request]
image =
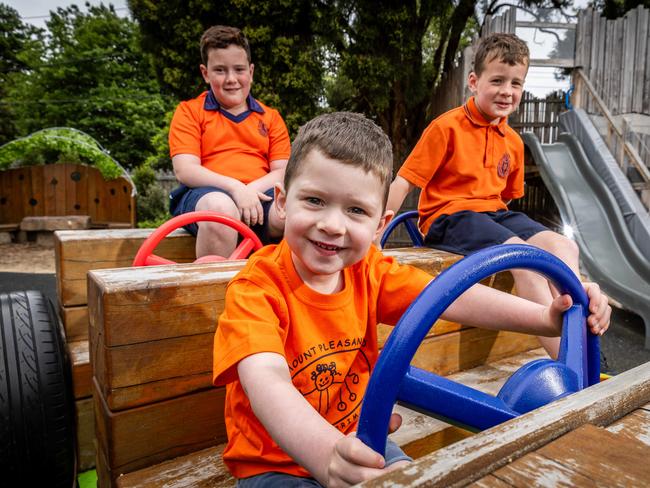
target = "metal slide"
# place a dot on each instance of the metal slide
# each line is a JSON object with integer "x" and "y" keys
{"x": 608, "y": 254}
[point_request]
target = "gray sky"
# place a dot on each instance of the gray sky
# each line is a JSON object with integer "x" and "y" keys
{"x": 38, "y": 11}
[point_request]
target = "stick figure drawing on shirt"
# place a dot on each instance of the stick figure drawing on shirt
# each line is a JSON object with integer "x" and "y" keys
{"x": 324, "y": 377}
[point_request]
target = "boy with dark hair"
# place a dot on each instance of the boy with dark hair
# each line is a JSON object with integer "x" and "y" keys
{"x": 228, "y": 149}
{"x": 469, "y": 164}
{"x": 297, "y": 340}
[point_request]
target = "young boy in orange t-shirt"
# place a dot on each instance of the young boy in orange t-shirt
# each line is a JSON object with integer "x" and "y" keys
{"x": 228, "y": 149}
{"x": 297, "y": 340}
{"x": 469, "y": 164}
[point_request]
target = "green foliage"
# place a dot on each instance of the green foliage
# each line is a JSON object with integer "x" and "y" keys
{"x": 18, "y": 43}
{"x": 91, "y": 74}
{"x": 59, "y": 145}
{"x": 152, "y": 202}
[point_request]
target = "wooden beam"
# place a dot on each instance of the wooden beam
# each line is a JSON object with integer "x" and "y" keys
{"x": 477, "y": 456}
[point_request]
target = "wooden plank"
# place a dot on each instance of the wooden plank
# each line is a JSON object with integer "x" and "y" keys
{"x": 601, "y": 456}
{"x": 646, "y": 76}
{"x": 81, "y": 369}
{"x": 475, "y": 457}
{"x": 642, "y": 33}
{"x": 536, "y": 470}
{"x": 75, "y": 322}
{"x": 490, "y": 481}
{"x": 636, "y": 426}
{"x": 77, "y": 252}
{"x": 202, "y": 468}
{"x": 147, "y": 435}
{"x": 85, "y": 419}
{"x": 59, "y": 194}
{"x": 50, "y": 184}
{"x": 81, "y": 200}
{"x": 37, "y": 194}
{"x": 188, "y": 298}
{"x": 142, "y": 373}
{"x": 627, "y": 69}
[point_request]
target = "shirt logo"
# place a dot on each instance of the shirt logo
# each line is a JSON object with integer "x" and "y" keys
{"x": 264, "y": 132}
{"x": 503, "y": 168}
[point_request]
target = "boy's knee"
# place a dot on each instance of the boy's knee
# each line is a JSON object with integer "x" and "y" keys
{"x": 563, "y": 246}
{"x": 220, "y": 203}
{"x": 555, "y": 243}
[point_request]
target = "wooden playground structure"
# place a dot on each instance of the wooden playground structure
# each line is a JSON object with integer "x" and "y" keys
{"x": 34, "y": 198}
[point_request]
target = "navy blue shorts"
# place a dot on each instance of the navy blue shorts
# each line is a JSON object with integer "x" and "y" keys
{"x": 184, "y": 199}
{"x": 466, "y": 232}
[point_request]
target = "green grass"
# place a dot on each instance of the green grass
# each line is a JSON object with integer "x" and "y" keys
{"x": 87, "y": 479}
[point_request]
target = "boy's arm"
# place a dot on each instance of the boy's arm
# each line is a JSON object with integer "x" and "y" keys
{"x": 399, "y": 189}
{"x": 332, "y": 458}
{"x": 485, "y": 307}
{"x": 276, "y": 175}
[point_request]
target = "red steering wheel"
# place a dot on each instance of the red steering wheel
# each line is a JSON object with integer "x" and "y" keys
{"x": 250, "y": 243}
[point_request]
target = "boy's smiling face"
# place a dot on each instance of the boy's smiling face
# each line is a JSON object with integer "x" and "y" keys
{"x": 332, "y": 212}
{"x": 498, "y": 89}
{"x": 229, "y": 75}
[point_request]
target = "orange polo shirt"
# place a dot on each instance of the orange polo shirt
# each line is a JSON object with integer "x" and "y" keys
{"x": 328, "y": 341}
{"x": 462, "y": 162}
{"x": 241, "y": 147}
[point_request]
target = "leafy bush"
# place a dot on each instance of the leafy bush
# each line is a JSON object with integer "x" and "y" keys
{"x": 58, "y": 145}
{"x": 151, "y": 205}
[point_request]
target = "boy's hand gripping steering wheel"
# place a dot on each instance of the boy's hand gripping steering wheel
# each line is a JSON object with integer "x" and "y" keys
{"x": 533, "y": 385}
{"x": 251, "y": 242}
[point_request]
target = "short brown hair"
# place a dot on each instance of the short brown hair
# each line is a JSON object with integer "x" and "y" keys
{"x": 508, "y": 48}
{"x": 347, "y": 137}
{"x": 220, "y": 37}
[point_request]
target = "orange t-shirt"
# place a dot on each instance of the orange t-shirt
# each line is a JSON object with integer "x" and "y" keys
{"x": 329, "y": 342}
{"x": 241, "y": 147}
{"x": 462, "y": 162}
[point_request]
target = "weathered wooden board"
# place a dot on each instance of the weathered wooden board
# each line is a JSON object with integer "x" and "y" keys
{"x": 152, "y": 329}
{"x": 75, "y": 322}
{"x": 146, "y": 435}
{"x": 601, "y": 456}
{"x": 478, "y": 456}
{"x": 77, "y": 252}
{"x": 81, "y": 369}
{"x": 85, "y": 417}
{"x": 636, "y": 426}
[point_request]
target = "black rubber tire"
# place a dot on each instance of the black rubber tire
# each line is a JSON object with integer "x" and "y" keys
{"x": 37, "y": 435}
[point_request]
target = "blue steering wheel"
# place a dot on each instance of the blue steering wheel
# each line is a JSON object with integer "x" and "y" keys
{"x": 533, "y": 385}
{"x": 409, "y": 219}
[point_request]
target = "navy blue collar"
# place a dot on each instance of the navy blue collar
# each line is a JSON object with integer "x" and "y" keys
{"x": 212, "y": 105}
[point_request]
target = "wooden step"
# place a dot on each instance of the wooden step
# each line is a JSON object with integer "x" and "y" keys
{"x": 419, "y": 435}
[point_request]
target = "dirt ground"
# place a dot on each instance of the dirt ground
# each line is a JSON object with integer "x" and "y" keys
{"x": 27, "y": 257}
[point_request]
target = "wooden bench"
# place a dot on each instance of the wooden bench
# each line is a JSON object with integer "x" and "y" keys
{"x": 77, "y": 252}
{"x": 151, "y": 333}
